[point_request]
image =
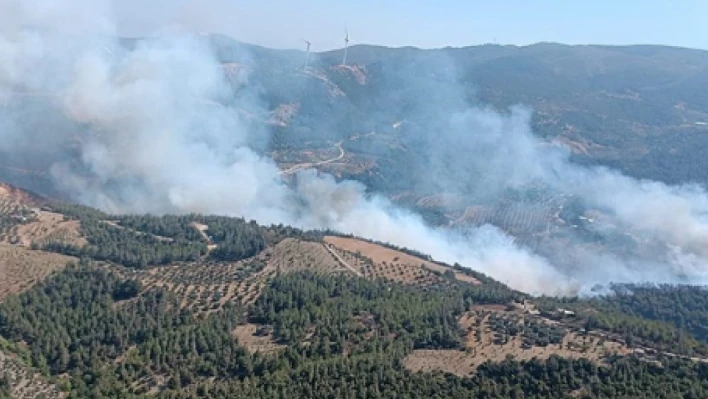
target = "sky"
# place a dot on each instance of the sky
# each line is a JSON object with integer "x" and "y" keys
{"x": 426, "y": 24}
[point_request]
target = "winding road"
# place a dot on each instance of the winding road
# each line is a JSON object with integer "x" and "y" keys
{"x": 306, "y": 165}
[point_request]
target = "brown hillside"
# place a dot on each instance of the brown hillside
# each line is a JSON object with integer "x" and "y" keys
{"x": 390, "y": 263}
{"x": 13, "y": 195}
{"x": 21, "y": 268}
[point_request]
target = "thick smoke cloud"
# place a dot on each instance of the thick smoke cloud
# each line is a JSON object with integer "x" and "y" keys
{"x": 157, "y": 128}
{"x": 667, "y": 225}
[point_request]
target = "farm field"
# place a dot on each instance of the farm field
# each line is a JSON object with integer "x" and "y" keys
{"x": 393, "y": 264}
{"x": 21, "y": 268}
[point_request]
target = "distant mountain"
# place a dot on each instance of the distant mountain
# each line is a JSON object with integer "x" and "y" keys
{"x": 641, "y": 109}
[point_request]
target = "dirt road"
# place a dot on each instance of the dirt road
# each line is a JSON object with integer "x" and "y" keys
{"x": 306, "y": 165}
{"x": 341, "y": 260}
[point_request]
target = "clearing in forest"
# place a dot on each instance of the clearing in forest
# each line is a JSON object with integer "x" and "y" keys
{"x": 250, "y": 337}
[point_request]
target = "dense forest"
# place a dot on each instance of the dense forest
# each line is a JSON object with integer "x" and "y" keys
{"x": 146, "y": 240}
{"x": 684, "y": 306}
{"x": 672, "y": 317}
{"x": 101, "y": 336}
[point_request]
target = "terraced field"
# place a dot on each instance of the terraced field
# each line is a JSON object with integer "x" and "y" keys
{"x": 377, "y": 261}
{"x": 20, "y": 267}
{"x": 388, "y": 270}
{"x": 515, "y": 218}
{"x": 208, "y": 286}
{"x": 47, "y": 227}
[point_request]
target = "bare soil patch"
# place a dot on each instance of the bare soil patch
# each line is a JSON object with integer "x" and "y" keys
{"x": 427, "y": 360}
{"x": 357, "y": 71}
{"x": 283, "y": 113}
{"x": 18, "y": 196}
{"x": 202, "y": 229}
{"x": 248, "y": 337}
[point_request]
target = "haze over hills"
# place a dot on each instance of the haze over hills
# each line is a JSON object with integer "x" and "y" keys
{"x": 636, "y": 108}
{"x": 500, "y": 189}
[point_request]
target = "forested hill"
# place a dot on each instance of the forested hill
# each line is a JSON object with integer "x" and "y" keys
{"x": 193, "y": 306}
{"x": 640, "y": 109}
{"x": 636, "y": 108}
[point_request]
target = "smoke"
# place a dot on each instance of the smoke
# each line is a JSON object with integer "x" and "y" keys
{"x": 646, "y": 230}
{"x": 156, "y": 127}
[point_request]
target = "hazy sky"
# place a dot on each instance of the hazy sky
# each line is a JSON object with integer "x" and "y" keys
{"x": 439, "y": 23}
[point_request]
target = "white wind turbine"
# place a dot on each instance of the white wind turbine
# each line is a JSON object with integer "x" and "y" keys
{"x": 307, "y": 53}
{"x": 346, "y": 46}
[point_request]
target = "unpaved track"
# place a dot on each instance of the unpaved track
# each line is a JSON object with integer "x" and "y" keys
{"x": 341, "y": 260}
{"x": 306, "y": 165}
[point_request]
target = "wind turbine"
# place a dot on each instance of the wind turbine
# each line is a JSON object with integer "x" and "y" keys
{"x": 307, "y": 54}
{"x": 346, "y": 46}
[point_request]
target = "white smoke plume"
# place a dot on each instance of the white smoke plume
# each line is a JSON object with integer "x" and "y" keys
{"x": 158, "y": 129}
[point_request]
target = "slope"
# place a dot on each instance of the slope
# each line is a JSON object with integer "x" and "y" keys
{"x": 269, "y": 306}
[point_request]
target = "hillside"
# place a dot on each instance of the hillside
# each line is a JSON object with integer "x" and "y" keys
{"x": 214, "y": 307}
{"x": 635, "y": 108}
